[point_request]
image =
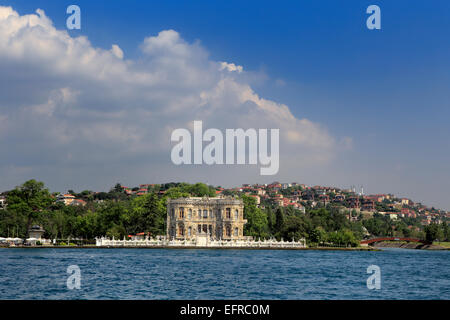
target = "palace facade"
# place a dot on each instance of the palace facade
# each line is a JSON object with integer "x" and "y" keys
{"x": 215, "y": 218}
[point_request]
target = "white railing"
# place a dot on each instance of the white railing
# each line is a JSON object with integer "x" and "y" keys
{"x": 163, "y": 242}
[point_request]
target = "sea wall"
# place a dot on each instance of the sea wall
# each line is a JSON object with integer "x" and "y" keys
{"x": 200, "y": 242}
{"x": 408, "y": 245}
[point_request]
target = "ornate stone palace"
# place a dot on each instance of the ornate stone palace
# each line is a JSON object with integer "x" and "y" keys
{"x": 212, "y": 218}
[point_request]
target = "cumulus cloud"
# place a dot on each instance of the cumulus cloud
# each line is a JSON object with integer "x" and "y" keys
{"x": 65, "y": 104}
{"x": 231, "y": 67}
{"x": 116, "y": 51}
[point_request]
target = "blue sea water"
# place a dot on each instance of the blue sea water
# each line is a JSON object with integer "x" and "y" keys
{"x": 223, "y": 274}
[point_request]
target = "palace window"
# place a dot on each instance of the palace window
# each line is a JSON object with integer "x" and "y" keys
{"x": 228, "y": 230}
{"x": 211, "y": 213}
{"x": 236, "y": 232}
{"x": 236, "y": 214}
{"x": 199, "y": 230}
{"x": 181, "y": 231}
{"x": 190, "y": 214}
{"x": 228, "y": 213}
{"x": 205, "y": 213}
{"x": 205, "y": 228}
{"x": 181, "y": 213}
{"x": 189, "y": 231}
{"x": 210, "y": 229}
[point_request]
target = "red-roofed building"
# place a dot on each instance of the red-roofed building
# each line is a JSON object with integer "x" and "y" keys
{"x": 324, "y": 198}
{"x": 67, "y": 199}
{"x": 408, "y": 213}
{"x": 368, "y": 205}
{"x": 78, "y": 202}
{"x": 353, "y": 202}
{"x": 139, "y": 236}
{"x": 258, "y": 199}
{"x": 376, "y": 197}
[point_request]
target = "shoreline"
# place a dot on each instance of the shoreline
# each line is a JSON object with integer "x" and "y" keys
{"x": 410, "y": 245}
{"x": 194, "y": 247}
{"x": 378, "y": 247}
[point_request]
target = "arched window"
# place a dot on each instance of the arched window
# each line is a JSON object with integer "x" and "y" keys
{"x": 181, "y": 213}
{"x": 199, "y": 228}
{"x": 190, "y": 214}
{"x": 205, "y": 213}
{"x": 211, "y": 213}
{"x": 236, "y": 232}
{"x": 189, "y": 231}
{"x": 228, "y": 230}
{"x": 228, "y": 213}
{"x": 236, "y": 214}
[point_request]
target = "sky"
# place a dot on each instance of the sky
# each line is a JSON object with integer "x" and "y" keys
{"x": 84, "y": 109}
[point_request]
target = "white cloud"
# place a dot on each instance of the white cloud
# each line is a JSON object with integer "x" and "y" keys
{"x": 115, "y": 49}
{"x": 230, "y": 67}
{"x": 62, "y": 96}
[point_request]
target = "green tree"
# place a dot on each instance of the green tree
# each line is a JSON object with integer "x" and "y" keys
{"x": 200, "y": 190}
{"x": 349, "y": 239}
{"x": 343, "y": 238}
{"x": 279, "y": 221}
{"x": 30, "y": 199}
{"x": 12, "y": 224}
{"x": 293, "y": 228}
{"x": 118, "y": 188}
{"x": 271, "y": 219}
{"x": 147, "y": 214}
{"x": 176, "y": 192}
{"x": 431, "y": 232}
{"x": 256, "y": 225}
{"x": 318, "y": 235}
{"x": 154, "y": 215}
{"x": 445, "y": 231}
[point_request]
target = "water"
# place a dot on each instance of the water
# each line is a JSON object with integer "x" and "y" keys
{"x": 222, "y": 274}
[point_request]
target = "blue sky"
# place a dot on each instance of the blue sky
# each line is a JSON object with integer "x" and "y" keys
{"x": 388, "y": 89}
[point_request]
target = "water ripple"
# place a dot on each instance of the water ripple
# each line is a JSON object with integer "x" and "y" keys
{"x": 222, "y": 274}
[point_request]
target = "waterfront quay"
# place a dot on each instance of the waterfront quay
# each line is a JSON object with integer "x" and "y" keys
{"x": 205, "y": 243}
{"x": 202, "y": 242}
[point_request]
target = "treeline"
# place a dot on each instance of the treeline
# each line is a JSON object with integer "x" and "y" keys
{"x": 381, "y": 225}
{"x": 115, "y": 214}
{"x": 173, "y": 188}
{"x": 324, "y": 226}
{"x": 112, "y": 214}
{"x": 439, "y": 232}
{"x": 111, "y": 218}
